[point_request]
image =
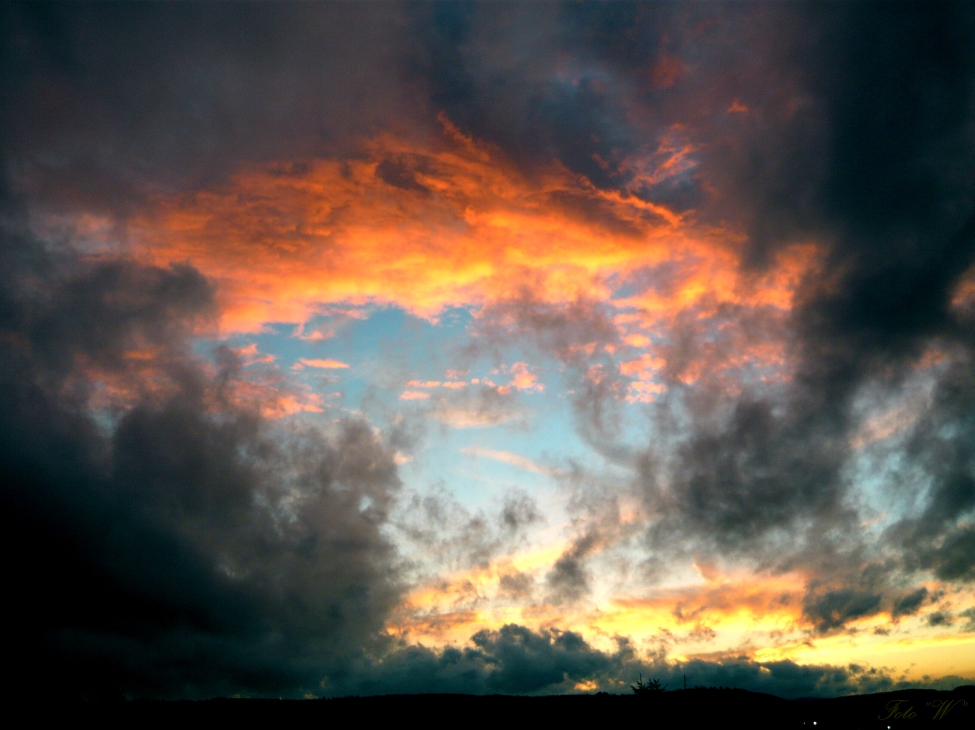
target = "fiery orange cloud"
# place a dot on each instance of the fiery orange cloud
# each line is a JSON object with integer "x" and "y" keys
{"x": 445, "y": 223}
{"x": 449, "y": 222}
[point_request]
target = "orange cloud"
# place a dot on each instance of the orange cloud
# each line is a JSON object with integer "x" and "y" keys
{"x": 250, "y": 355}
{"x": 523, "y": 378}
{"x": 324, "y": 364}
{"x": 449, "y": 222}
{"x": 456, "y": 226}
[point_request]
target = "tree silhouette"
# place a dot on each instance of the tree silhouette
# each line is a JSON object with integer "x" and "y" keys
{"x": 651, "y": 686}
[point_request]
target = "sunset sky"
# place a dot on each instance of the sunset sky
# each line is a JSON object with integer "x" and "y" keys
{"x": 363, "y": 348}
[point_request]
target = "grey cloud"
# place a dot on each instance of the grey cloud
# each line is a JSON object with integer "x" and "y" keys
{"x": 530, "y": 661}
{"x": 910, "y": 603}
{"x": 438, "y": 523}
{"x": 577, "y": 334}
{"x": 518, "y": 660}
{"x": 744, "y": 476}
{"x": 968, "y": 613}
{"x": 513, "y": 660}
{"x": 939, "y": 539}
{"x": 131, "y": 99}
{"x": 710, "y": 340}
{"x": 847, "y": 590}
{"x": 399, "y": 175}
{"x": 571, "y": 332}
{"x": 870, "y": 153}
{"x": 568, "y": 580}
{"x": 181, "y": 546}
{"x": 457, "y": 538}
{"x": 518, "y": 511}
{"x": 497, "y": 75}
{"x": 831, "y": 609}
{"x": 516, "y": 585}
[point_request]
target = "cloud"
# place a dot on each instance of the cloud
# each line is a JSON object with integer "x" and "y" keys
{"x": 514, "y": 659}
{"x": 152, "y": 100}
{"x": 969, "y": 613}
{"x": 568, "y": 579}
{"x": 460, "y": 539}
{"x": 753, "y": 385}
{"x": 506, "y": 457}
{"x": 184, "y": 524}
{"x": 515, "y": 584}
{"x": 325, "y": 364}
{"x": 727, "y": 227}
{"x": 524, "y": 379}
{"x": 477, "y": 407}
{"x": 910, "y": 603}
{"x": 418, "y": 252}
{"x": 834, "y": 608}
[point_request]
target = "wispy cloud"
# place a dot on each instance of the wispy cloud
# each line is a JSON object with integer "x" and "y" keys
{"x": 507, "y": 457}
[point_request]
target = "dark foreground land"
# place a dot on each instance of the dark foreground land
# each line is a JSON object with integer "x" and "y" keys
{"x": 680, "y": 709}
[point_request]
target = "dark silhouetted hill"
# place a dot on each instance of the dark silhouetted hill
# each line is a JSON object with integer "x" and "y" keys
{"x": 691, "y": 708}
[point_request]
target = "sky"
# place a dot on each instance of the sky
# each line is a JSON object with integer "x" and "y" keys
{"x": 367, "y": 348}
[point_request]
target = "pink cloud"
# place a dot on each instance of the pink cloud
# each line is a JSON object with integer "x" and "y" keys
{"x": 324, "y": 364}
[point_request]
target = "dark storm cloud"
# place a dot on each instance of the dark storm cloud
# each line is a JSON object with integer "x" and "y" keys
{"x": 877, "y": 157}
{"x": 941, "y": 539}
{"x": 747, "y": 475}
{"x": 518, "y": 660}
{"x": 832, "y": 609}
{"x": 581, "y": 83}
{"x": 181, "y": 546}
{"x": 869, "y": 148}
{"x": 105, "y": 103}
{"x": 513, "y": 659}
{"x": 497, "y": 75}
